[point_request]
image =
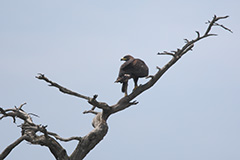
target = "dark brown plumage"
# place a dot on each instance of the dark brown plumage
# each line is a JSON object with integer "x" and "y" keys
{"x": 132, "y": 68}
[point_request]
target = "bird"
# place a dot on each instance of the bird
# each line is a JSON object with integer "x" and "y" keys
{"x": 132, "y": 68}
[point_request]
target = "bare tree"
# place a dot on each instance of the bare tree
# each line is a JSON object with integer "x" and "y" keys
{"x": 88, "y": 142}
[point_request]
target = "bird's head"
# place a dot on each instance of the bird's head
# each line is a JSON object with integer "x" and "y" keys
{"x": 126, "y": 58}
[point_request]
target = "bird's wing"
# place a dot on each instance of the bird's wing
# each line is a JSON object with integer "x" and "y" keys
{"x": 127, "y": 64}
{"x": 139, "y": 68}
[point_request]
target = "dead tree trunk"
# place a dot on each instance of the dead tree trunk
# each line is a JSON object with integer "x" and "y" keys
{"x": 88, "y": 142}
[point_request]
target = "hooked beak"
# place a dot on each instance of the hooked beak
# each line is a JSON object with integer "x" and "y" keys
{"x": 123, "y": 59}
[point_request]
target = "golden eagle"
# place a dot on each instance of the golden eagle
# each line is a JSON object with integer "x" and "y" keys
{"x": 132, "y": 68}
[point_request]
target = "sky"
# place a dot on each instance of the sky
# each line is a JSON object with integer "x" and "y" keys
{"x": 192, "y": 112}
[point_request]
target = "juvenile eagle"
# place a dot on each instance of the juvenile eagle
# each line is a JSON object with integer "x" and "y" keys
{"x": 132, "y": 68}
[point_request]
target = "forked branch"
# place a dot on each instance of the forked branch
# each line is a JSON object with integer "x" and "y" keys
{"x": 88, "y": 142}
{"x": 29, "y": 130}
{"x": 92, "y": 101}
{"x": 61, "y": 88}
{"x": 176, "y": 55}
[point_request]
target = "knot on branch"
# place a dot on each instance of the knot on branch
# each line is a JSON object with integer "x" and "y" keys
{"x": 61, "y": 88}
{"x": 95, "y": 103}
{"x": 97, "y": 120}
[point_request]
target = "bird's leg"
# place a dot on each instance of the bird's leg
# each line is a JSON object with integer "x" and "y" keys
{"x": 124, "y": 87}
{"x": 135, "y": 83}
{"x": 125, "y": 91}
{"x": 135, "y": 86}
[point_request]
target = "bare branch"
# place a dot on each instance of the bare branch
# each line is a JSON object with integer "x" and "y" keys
{"x": 213, "y": 23}
{"x": 29, "y": 130}
{"x": 20, "y": 107}
{"x": 210, "y": 24}
{"x": 186, "y": 40}
{"x": 56, "y": 149}
{"x": 61, "y": 88}
{"x": 33, "y": 115}
{"x": 91, "y": 111}
{"x": 9, "y": 148}
{"x": 92, "y": 101}
{"x": 198, "y": 34}
{"x": 64, "y": 139}
{"x": 2, "y": 111}
{"x": 43, "y": 129}
{"x": 190, "y": 44}
{"x": 95, "y": 103}
{"x": 189, "y": 48}
{"x": 16, "y": 112}
{"x": 166, "y": 53}
{"x": 220, "y": 25}
{"x": 176, "y": 55}
{"x": 208, "y": 35}
{"x": 158, "y": 68}
{"x": 88, "y": 142}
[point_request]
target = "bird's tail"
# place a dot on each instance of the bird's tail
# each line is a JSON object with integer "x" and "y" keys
{"x": 123, "y": 78}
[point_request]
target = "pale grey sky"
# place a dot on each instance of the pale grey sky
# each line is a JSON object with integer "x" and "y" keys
{"x": 192, "y": 113}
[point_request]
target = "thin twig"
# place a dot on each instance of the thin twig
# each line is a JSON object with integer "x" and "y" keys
{"x": 64, "y": 139}
{"x": 20, "y": 107}
{"x": 61, "y": 88}
{"x": 91, "y": 111}
{"x": 166, "y": 53}
{"x": 220, "y": 25}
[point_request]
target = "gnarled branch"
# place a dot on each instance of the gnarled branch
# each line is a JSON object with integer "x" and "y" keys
{"x": 88, "y": 142}
{"x": 29, "y": 130}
